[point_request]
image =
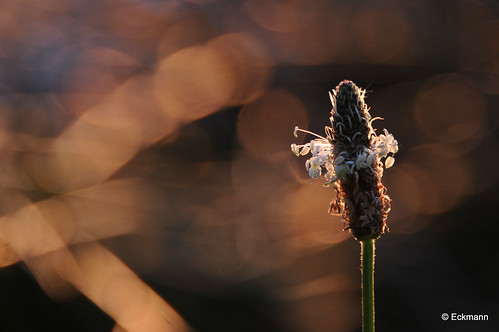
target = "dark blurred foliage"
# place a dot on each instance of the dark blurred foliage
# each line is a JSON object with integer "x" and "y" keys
{"x": 145, "y": 164}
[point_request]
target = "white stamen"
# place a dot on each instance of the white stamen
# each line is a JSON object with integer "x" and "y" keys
{"x": 308, "y": 132}
{"x": 389, "y": 162}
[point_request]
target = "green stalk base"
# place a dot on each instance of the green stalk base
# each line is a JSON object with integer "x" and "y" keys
{"x": 367, "y": 267}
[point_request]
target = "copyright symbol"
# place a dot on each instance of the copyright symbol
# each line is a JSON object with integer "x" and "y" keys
{"x": 445, "y": 316}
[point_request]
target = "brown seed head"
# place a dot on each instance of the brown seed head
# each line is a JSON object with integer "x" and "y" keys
{"x": 361, "y": 197}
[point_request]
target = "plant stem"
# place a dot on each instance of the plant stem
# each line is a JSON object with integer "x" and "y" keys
{"x": 367, "y": 267}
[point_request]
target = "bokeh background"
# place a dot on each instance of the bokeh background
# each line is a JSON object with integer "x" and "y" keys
{"x": 145, "y": 167}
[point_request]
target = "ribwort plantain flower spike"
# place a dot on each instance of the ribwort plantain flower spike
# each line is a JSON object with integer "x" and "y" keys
{"x": 351, "y": 158}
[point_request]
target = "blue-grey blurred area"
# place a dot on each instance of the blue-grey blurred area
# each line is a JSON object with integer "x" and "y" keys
{"x": 147, "y": 181}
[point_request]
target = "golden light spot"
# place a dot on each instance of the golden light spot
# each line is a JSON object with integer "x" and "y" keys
{"x": 189, "y": 30}
{"x": 315, "y": 287}
{"x": 28, "y": 233}
{"x": 133, "y": 108}
{"x": 308, "y": 311}
{"x": 275, "y": 15}
{"x": 403, "y": 184}
{"x": 314, "y": 227}
{"x": 265, "y": 231}
{"x": 85, "y": 154}
{"x": 250, "y": 64}
{"x": 140, "y": 24}
{"x": 194, "y": 82}
{"x": 110, "y": 57}
{"x": 449, "y": 108}
{"x": 200, "y": 1}
{"x": 112, "y": 286}
{"x": 442, "y": 177}
{"x": 409, "y": 189}
{"x": 89, "y": 79}
{"x": 265, "y": 126}
{"x": 103, "y": 211}
{"x": 5, "y": 111}
{"x": 322, "y": 39}
{"x": 383, "y": 36}
{"x": 305, "y": 33}
{"x": 280, "y": 16}
{"x": 479, "y": 53}
{"x": 104, "y": 138}
{"x": 44, "y": 269}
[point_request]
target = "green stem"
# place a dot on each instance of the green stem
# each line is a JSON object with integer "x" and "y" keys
{"x": 367, "y": 266}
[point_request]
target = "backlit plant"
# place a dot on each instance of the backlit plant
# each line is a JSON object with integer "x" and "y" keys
{"x": 351, "y": 158}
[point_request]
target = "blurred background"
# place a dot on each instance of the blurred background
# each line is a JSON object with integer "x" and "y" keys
{"x": 147, "y": 184}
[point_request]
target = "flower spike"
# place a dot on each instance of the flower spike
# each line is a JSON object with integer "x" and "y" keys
{"x": 350, "y": 160}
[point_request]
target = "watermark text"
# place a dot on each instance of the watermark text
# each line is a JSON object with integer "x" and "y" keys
{"x": 463, "y": 317}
